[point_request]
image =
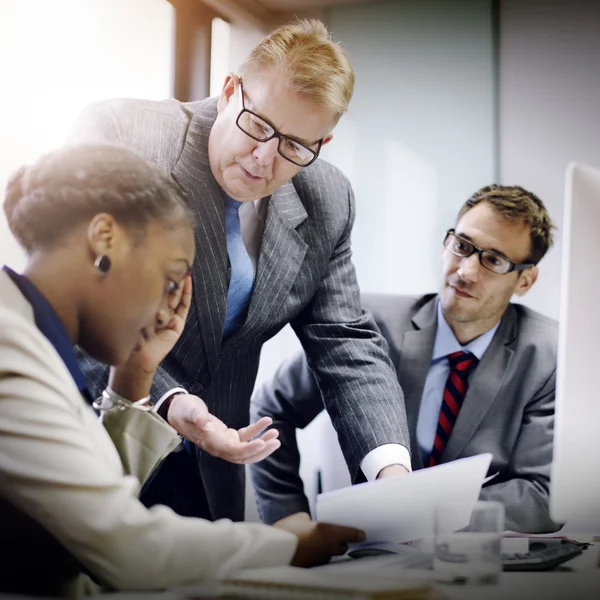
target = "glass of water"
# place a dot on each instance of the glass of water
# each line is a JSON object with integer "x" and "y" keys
{"x": 470, "y": 555}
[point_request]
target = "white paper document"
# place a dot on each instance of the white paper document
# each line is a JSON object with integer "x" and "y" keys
{"x": 401, "y": 509}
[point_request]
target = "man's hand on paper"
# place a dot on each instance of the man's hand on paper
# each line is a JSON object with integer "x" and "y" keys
{"x": 318, "y": 542}
{"x": 392, "y": 471}
{"x": 189, "y": 416}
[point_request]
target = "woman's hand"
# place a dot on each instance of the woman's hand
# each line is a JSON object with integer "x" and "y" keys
{"x": 318, "y": 542}
{"x": 133, "y": 379}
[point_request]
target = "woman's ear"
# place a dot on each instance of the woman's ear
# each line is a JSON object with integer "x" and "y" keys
{"x": 103, "y": 235}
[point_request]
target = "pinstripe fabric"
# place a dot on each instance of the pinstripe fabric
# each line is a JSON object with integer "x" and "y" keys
{"x": 304, "y": 276}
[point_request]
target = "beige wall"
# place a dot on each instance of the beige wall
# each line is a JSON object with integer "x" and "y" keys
{"x": 549, "y": 108}
{"x": 56, "y": 57}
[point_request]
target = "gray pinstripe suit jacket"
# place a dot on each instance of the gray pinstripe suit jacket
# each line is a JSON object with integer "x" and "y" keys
{"x": 508, "y": 410}
{"x": 304, "y": 276}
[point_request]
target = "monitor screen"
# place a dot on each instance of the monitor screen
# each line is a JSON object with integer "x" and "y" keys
{"x": 575, "y": 483}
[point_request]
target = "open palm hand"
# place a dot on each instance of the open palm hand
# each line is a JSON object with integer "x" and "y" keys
{"x": 189, "y": 416}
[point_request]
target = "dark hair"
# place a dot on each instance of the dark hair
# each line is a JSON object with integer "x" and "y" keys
{"x": 517, "y": 205}
{"x": 66, "y": 187}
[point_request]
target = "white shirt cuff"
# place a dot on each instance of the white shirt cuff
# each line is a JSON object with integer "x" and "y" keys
{"x": 384, "y": 456}
{"x": 159, "y": 402}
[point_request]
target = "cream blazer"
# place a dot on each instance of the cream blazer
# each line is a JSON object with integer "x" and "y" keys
{"x": 59, "y": 465}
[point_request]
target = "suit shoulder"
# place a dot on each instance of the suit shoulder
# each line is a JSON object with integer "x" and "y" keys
{"x": 326, "y": 194}
{"x": 155, "y": 129}
{"x": 531, "y": 319}
{"x": 128, "y": 109}
{"x": 537, "y": 331}
{"x": 385, "y": 302}
{"x": 393, "y": 310}
{"x": 322, "y": 168}
{"x": 321, "y": 179}
{"x": 16, "y": 330}
{"x": 19, "y": 338}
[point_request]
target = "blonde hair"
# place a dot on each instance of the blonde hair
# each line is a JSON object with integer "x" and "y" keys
{"x": 315, "y": 67}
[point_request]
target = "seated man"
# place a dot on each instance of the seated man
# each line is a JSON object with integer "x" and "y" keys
{"x": 478, "y": 372}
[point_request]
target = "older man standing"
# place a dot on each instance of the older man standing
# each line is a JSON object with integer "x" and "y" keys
{"x": 273, "y": 247}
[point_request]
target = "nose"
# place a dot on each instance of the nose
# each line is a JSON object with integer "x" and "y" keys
{"x": 164, "y": 313}
{"x": 469, "y": 268}
{"x": 265, "y": 152}
{"x": 162, "y": 317}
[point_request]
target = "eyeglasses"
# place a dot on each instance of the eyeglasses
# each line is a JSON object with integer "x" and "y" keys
{"x": 261, "y": 130}
{"x": 496, "y": 263}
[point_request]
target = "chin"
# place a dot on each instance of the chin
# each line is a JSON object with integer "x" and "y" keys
{"x": 102, "y": 354}
{"x": 238, "y": 187}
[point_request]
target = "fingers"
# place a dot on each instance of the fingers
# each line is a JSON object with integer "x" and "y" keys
{"x": 174, "y": 298}
{"x": 241, "y": 453}
{"x": 267, "y": 450}
{"x": 178, "y": 306}
{"x": 254, "y": 429}
{"x": 340, "y": 549}
{"x": 270, "y": 434}
{"x": 162, "y": 318}
{"x": 340, "y": 534}
{"x": 184, "y": 301}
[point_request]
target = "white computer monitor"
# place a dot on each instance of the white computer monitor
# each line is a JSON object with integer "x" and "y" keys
{"x": 575, "y": 484}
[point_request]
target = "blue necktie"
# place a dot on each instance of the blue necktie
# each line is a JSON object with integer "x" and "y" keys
{"x": 241, "y": 278}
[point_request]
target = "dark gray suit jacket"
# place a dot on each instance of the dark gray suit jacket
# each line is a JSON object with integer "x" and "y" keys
{"x": 508, "y": 410}
{"x": 304, "y": 276}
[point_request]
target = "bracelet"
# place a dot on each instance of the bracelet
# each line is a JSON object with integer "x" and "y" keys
{"x": 113, "y": 402}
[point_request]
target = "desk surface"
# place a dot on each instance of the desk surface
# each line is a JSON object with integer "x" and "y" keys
{"x": 577, "y": 579}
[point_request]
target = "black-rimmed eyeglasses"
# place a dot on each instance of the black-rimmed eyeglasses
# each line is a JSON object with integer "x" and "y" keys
{"x": 496, "y": 263}
{"x": 261, "y": 130}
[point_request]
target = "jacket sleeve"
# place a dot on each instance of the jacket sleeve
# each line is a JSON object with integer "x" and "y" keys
{"x": 292, "y": 399}
{"x": 96, "y": 375}
{"x": 349, "y": 358}
{"x": 58, "y": 465}
{"x": 526, "y": 487}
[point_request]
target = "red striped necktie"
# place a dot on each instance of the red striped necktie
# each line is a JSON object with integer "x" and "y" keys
{"x": 455, "y": 391}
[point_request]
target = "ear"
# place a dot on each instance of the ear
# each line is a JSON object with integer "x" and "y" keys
{"x": 526, "y": 280}
{"x": 104, "y": 235}
{"x": 232, "y": 82}
{"x": 327, "y": 139}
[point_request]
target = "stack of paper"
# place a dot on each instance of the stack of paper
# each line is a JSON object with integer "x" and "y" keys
{"x": 400, "y": 509}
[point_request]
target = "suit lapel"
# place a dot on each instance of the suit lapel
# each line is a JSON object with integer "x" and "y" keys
{"x": 415, "y": 357}
{"x": 281, "y": 255}
{"x": 193, "y": 172}
{"x": 484, "y": 386}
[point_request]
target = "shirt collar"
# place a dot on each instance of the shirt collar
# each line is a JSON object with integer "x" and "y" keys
{"x": 446, "y": 342}
{"x": 50, "y": 325}
{"x": 257, "y": 208}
